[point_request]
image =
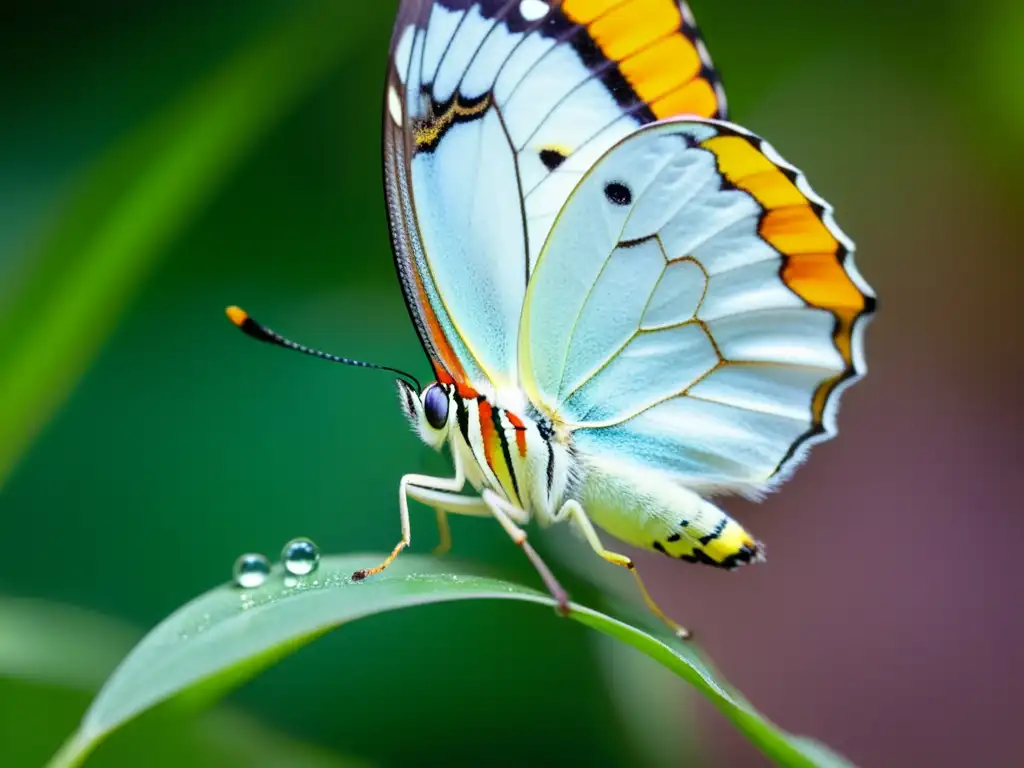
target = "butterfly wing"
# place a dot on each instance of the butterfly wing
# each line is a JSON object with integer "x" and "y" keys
{"x": 494, "y": 109}
{"x": 695, "y": 311}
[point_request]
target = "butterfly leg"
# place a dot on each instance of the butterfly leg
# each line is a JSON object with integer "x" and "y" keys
{"x": 509, "y": 515}
{"x": 445, "y": 503}
{"x": 409, "y": 482}
{"x": 573, "y": 510}
{"x": 444, "y": 532}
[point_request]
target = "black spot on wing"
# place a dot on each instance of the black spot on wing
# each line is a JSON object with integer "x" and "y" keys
{"x": 618, "y": 193}
{"x": 551, "y": 158}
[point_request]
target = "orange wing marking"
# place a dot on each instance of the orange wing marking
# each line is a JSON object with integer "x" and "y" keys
{"x": 812, "y": 265}
{"x": 654, "y": 51}
{"x": 811, "y": 253}
{"x": 447, "y": 368}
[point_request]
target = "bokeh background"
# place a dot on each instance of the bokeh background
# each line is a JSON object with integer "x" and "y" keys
{"x": 161, "y": 160}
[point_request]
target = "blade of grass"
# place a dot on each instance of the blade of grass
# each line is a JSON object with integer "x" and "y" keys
{"x": 126, "y": 209}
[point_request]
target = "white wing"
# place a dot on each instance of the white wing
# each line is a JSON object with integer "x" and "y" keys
{"x": 493, "y": 112}
{"x": 694, "y": 309}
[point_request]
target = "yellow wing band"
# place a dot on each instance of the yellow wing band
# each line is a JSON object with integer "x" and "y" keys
{"x": 655, "y": 51}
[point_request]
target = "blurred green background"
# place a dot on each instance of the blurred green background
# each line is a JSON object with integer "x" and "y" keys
{"x": 233, "y": 151}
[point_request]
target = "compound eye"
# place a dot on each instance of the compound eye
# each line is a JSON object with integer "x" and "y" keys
{"x": 435, "y": 405}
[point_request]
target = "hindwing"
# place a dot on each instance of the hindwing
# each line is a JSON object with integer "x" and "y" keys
{"x": 695, "y": 309}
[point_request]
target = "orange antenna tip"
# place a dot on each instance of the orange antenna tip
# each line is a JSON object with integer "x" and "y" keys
{"x": 241, "y": 318}
{"x": 237, "y": 315}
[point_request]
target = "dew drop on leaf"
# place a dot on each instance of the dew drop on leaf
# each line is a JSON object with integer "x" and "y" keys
{"x": 251, "y": 570}
{"x": 300, "y": 557}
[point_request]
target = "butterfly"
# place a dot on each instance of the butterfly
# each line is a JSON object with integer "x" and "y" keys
{"x": 629, "y": 304}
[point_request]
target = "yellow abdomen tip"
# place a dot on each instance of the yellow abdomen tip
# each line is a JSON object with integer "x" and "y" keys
{"x": 237, "y": 315}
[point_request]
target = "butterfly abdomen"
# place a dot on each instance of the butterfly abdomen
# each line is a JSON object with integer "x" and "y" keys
{"x": 651, "y": 510}
{"x": 727, "y": 545}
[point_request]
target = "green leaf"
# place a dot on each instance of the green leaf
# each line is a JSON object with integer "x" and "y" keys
{"x": 54, "y": 657}
{"x": 229, "y": 634}
{"x": 125, "y": 210}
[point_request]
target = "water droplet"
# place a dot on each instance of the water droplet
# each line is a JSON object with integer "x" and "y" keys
{"x": 251, "y": 570}
{"x": 300, "y": 557}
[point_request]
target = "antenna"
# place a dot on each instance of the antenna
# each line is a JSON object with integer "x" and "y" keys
{"x": 241, "y": 318}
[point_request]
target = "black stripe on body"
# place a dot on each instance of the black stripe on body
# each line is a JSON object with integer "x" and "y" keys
{"x": 705, "y": 540}
{"x": 500, "y": 429}
{"x": 551, "y": 467}
{"x": 462, "y": 415}
{"x": 546, "y": 433}
{"x": 745, "y": 555}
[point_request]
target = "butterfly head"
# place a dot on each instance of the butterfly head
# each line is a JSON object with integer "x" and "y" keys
{"x": 429, "y": 412}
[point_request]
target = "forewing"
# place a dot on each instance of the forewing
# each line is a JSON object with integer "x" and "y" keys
{"x": 494, "y": 109}
{"x": 696, "y": 309}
